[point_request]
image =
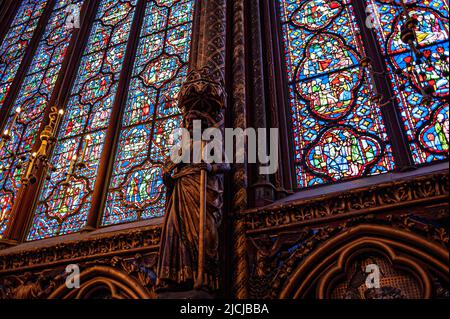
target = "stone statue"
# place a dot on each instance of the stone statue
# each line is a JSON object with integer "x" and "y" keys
{"x": 179, "y": 248}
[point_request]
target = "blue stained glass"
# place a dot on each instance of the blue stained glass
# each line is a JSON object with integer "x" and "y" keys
{"x": 426, "y": 123}
{"x": 338, "y": 129}
{"x": 136, "y": 190}
{"x": 65, "y": 199}
{"x": 16, "y": 41}
{"x": 33, "y": 97}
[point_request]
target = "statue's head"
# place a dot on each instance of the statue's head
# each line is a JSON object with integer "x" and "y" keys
{"x": 202, "y": 98}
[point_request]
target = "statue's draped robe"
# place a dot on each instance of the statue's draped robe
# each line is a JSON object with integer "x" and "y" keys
{"x": 179, "y": 242}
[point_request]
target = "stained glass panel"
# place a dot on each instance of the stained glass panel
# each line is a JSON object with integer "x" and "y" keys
{"x": 136, "y": 189}
{"x": 426, "y": 123}
{"x": 338, "y": 129}
{"x": 32, "y": 100}
{"x": 16, "y": 41}
{"x": 65, "y": 199}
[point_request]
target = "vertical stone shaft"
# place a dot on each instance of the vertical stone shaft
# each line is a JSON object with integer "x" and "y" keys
{"x": 261, "y": 187}
{"x": 240, "y": 177}
{"x": 209, "y": 38}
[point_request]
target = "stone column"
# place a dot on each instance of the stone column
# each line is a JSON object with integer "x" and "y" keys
{"x": 240, "y": 172}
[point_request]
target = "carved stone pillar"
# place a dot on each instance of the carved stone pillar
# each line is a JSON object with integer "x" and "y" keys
{"x": 240, "y": 173}
{"x": 209, "y": 39}
{"x": 278, "y": 97}
{"x": 262, "y": 190}
{"x": 204, "y": 86}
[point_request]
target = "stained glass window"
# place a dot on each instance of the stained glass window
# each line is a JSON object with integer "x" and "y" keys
{"x": 337, "y": 125}
{"x": 426, "y": 123}
{"x": 16, "y": 41}
{"x": 32, "y": 100}
{"x": 338, "y": 128}
{"x": 65, "y": 199}
{"x": 136, "y": 189}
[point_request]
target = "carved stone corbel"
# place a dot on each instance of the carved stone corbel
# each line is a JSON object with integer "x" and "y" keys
{"x": 202, "y": 91}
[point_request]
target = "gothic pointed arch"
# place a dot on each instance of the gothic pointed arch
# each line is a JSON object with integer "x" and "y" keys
{"x": 103, "y": 282}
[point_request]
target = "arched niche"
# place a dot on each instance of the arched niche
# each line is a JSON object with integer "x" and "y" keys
{"x": 103, "y": 282}
{"x": 409, "y": 263}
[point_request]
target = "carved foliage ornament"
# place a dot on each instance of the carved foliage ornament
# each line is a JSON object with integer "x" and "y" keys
{"x": 107, "y": 278}
{"x": 365, "y": 200}
{"x": 116, "y": 243}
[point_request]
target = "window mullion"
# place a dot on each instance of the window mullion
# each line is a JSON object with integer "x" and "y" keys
{"x": 388, "y": 104}
{"x": 113, "y": 131}
{"x": 281, "y": 96}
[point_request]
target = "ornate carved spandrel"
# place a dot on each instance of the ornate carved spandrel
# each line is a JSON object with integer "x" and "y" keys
{"x": 31, "y": 285}
{"x": 119, "y": 277}
{"x": 267, "y": 253}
